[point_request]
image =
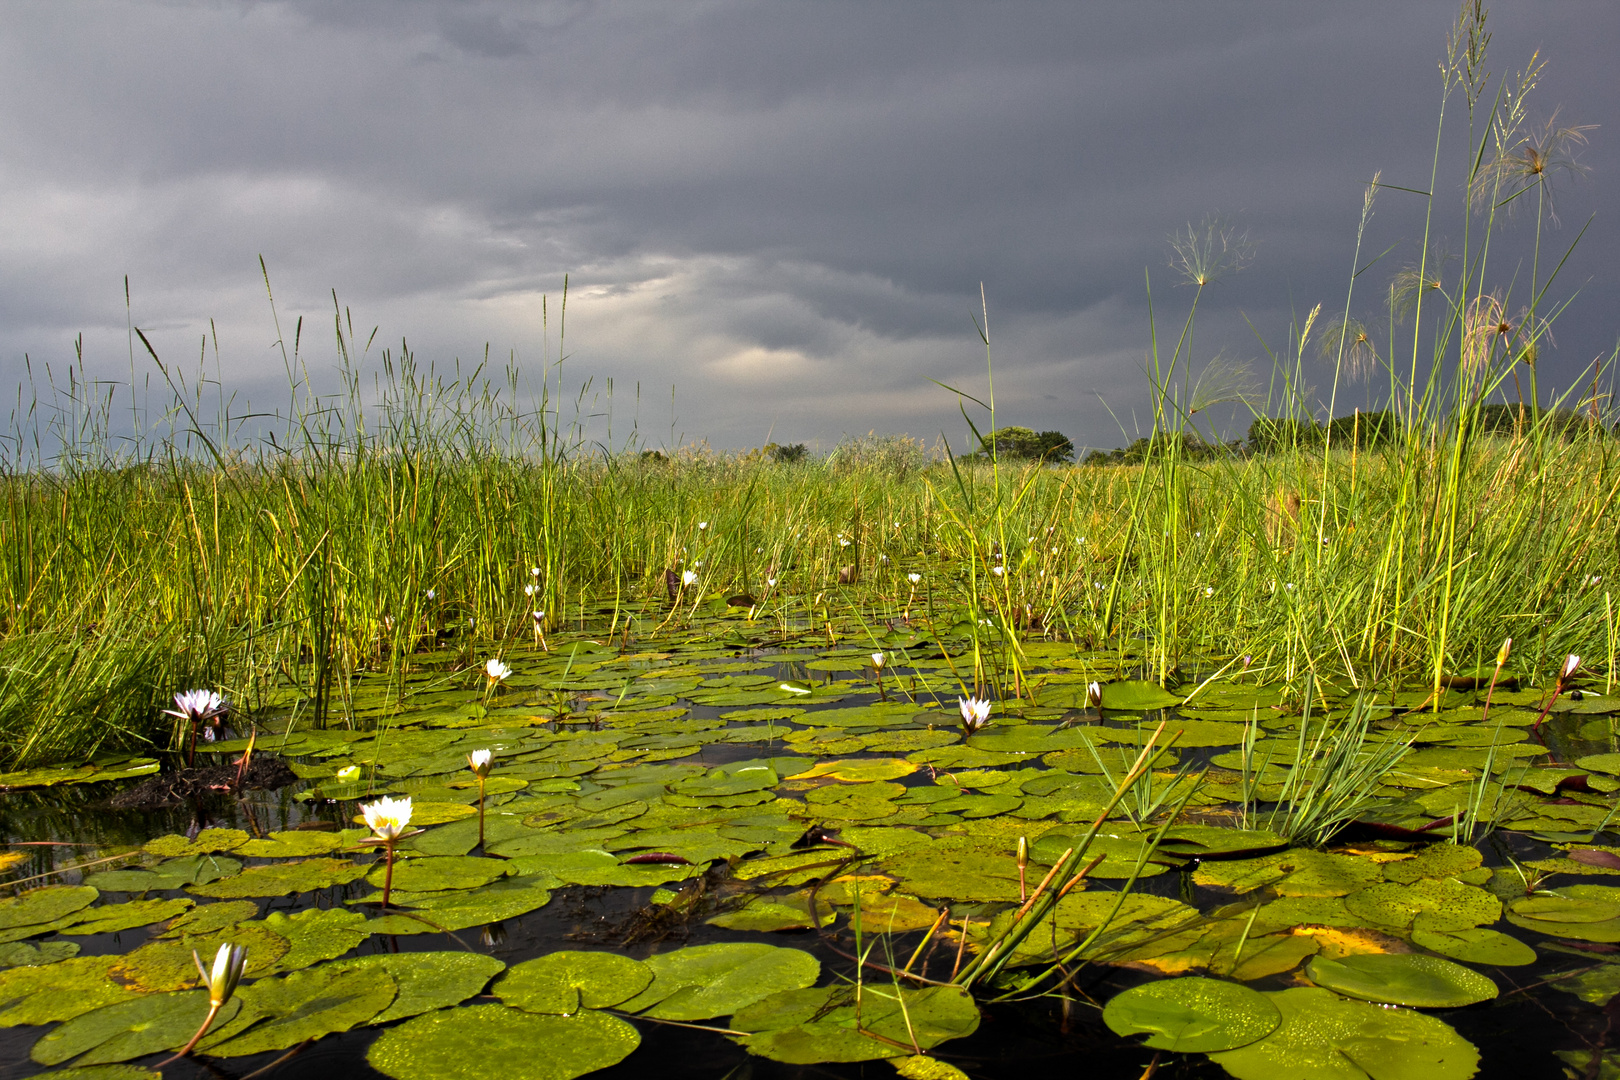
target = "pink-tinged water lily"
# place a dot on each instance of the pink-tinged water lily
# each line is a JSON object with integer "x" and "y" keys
{"x": 199, "y": 708}
{"x": 975, "y": 713}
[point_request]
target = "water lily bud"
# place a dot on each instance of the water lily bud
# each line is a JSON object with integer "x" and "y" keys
{"x": 229, "y": 963}
{"x": 1571, "y": 664}
{"x": 1023, "y": 852}
{"x": 1502, "y": 653}
{"x": 877, "y": 660}
{"x": 480, "y": 762}
{"x": 1094, "y": 695}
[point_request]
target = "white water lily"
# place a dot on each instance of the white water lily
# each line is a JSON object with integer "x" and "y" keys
{"x": 878, "y": 660}
{"x": 534, "y": 571}
{"x": 914, "y": 577}
{"x": 479, "y": 761}
{"x": 975, "y": 713}
{"x": 688, "y": 577}
{"x": 702, "y": 525}
{"x": 1094, "y": 695}
{"x": 387, "y": 818}
{"x": 530, "y": 590}
{"x": 497, "y": 670}
{"x": 1571, "y": 664}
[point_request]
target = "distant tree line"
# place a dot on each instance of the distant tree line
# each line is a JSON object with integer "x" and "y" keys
{"x": 1363, "y": 430}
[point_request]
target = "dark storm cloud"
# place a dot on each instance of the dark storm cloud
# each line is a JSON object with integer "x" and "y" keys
{"x": 785, "y": 210}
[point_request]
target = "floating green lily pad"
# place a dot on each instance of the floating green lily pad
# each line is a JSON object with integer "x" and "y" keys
{"x": 428, "y": 980}
{"x": 807, "y": 1026}
{"x": 130, "y": 1029}
{"x": 705, "y": 981}
{"x": 1192, "y": 1015}
{"x": 437, "y": 873}
{"x": 45, "y": 905}
{"x": 1479, "y": 945}
{"x": 316, "y": 934}
{"x": 165, "y": 965}
{"x": 565, "y": 982}
{"x": 283, "y": 879}
{"x": 59, "y": 991}
{"x": 1136, "y": 696}
{"x": 1426, "y": 982}
{"x": 502, "y": 1044}
{"x": 1325, "y": 1037}
{"x": 112, "y": 918}
{"x": 306, "y": 1005}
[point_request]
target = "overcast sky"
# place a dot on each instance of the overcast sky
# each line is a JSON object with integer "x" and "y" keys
{"x": 784, "y": 211}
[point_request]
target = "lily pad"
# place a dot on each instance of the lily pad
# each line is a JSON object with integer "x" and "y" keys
{"x": 1192, "y": 1015}
{"x": 1326, "y": 1037}
{"x": 316, "y": 934}
{"x": 166, "y": 965}
{"x": 1477, "y": 946}
{"x": 1137, "y": 696}
{"x": 565, "y": 982}
{"x": 514, "y": 1045}
{"x": 765, "y": 916}
{"x": 283, "y": 879}
{"x": 1426, "y": 982}
{"x": 808, "y": 1026}
{"x": 428, "y": 980}
{"x": 437, "y": 873}
{"x": 130, "y": 1029}
{"x": 112, "y": 918}
{"x": 306, "y": 1005}
{"x": 59, "y": 991}
{"x": 704, "y": 981}
{"x": 45, "y": 905}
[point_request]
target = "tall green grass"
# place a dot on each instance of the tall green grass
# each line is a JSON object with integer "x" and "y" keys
{"x": 280, "y": 554}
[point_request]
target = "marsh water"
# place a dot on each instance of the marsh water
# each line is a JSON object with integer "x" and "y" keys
{"x": 715, "y": 783}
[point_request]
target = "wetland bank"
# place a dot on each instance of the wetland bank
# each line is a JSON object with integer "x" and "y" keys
{"x": 535, "y": 759}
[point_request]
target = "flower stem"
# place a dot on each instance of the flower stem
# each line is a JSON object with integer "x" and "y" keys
{"x": 213, "y": 1011}
{"x": 480, "y": 813}
{"x": 388, "y": 876}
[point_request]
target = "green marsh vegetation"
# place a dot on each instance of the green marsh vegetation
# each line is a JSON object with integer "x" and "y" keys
{"x": 1250, "y": 717}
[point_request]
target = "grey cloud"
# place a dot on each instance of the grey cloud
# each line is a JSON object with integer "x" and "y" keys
{"x": 777, "y": 207}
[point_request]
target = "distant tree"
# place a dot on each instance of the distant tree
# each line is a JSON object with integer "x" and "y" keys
{"x": 1023, "y": 444}
{"x": 787, "y": 455}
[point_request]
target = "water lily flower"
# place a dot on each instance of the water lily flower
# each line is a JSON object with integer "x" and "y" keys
{"x": 229, "y": 963}
{"x": 1094, "y": 694}
{"x": 688, "y": 577}
{"x": 975, "y": 713}
{"x": 530, "y": 590}
{"x": 702, "y": 525}
{"x": 539, "y": 620}
{"x": 199, "y": 708}
{"x": 877, "y": 660}
{"x": 480, "y": 762}
{"x": 998, "y": 570}
{"x": 431, "y": 594}
{"x": 534, "y": 571}
{"x": 387, "y": 819}
{"x": 914, "y": 578}
{"x": 1571, "y": 664}
{"x": 496, "y": 670}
